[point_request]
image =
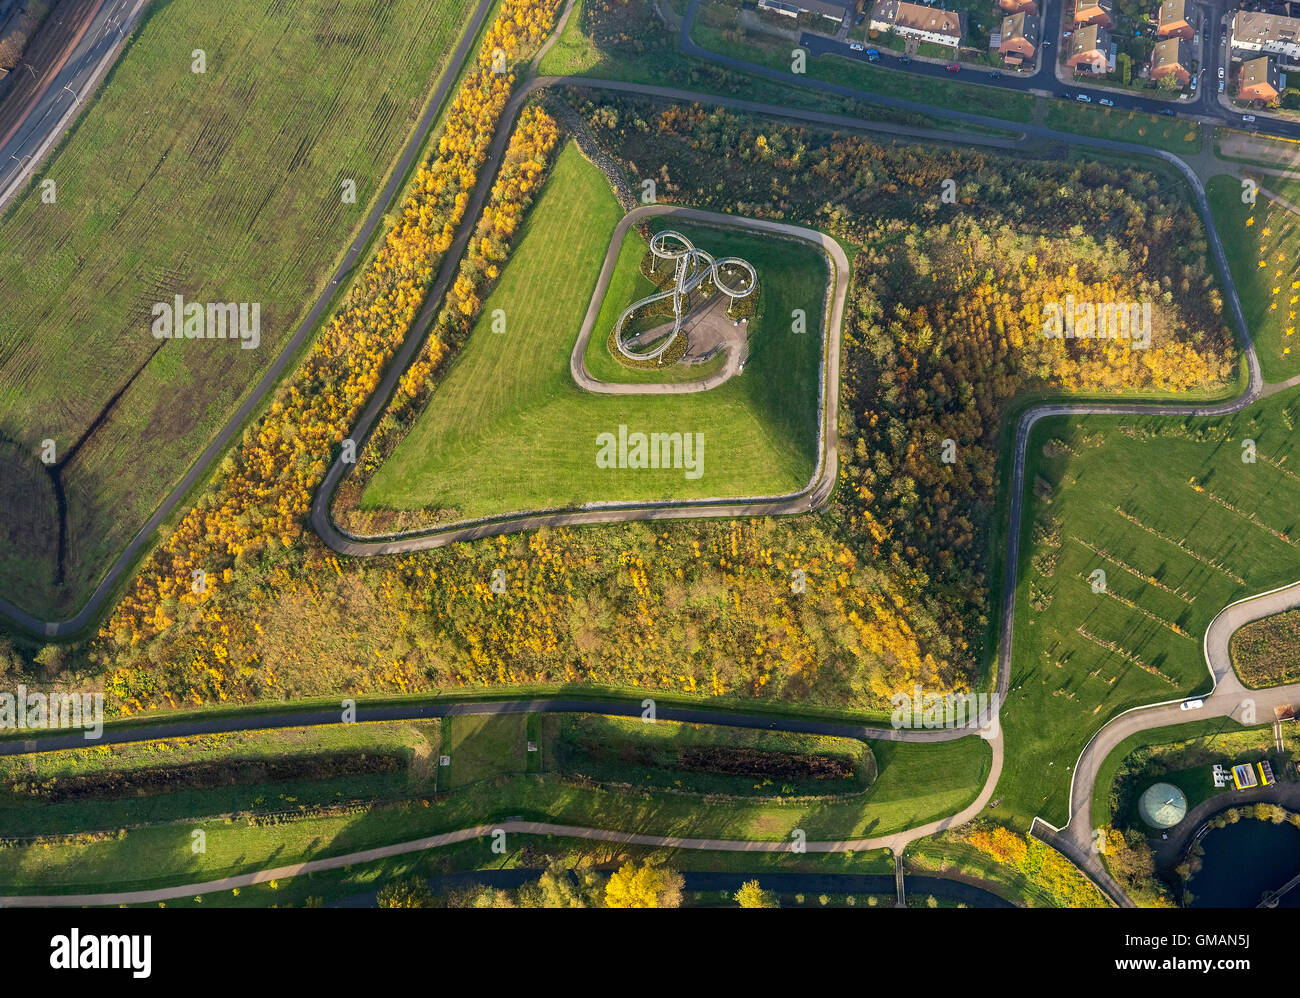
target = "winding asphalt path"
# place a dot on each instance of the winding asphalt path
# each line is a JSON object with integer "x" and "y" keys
{"x": 1229, "y": 698}
{"x": 814, "y": 494}
{"x": 595, "y": 512}
{"x": 144, "y": 539}
{"x": 1150, "y": 717}
{"x": 896, "y": 842}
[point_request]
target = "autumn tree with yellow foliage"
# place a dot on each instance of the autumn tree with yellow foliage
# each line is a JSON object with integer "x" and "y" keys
{"x": 649, "y": 885}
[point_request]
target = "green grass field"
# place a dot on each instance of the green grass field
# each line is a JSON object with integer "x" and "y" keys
{"x": 1184, "y": 756}
{"x": 23, "y": 813}
{"x": 916, "y": 783}
{"x": 482, "y": 746}
{"x": 773, "y": 54}
{"x": 1137, "y": 127}
{"x": 1180, "y": 526}
{"x": 219, "y": 186}
{"x": 1263, "y": 233}
{"x": 523, "y": 852}
{"x": 508, "y": 429}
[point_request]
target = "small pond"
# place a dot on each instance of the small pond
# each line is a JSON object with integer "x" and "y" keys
{"x": 1245, "y": 860}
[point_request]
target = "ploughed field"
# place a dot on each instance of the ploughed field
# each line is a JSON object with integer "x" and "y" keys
{"x": 220, "y": 186}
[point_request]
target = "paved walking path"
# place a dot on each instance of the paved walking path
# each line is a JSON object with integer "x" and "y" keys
{"x": 229, "y": 433}
{"x": 896, "y": 842}
{"x": 1229, "y": 698}
{"x": 814, "y": 494}
{"x": 1226, "y": 699}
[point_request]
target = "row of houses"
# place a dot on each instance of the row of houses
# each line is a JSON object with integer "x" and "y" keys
{"x": 914, "y": 20}
{"x": 1091, "y": 50}
{"x": 1268, "y": 34}
{"x": 1270, "y": 37}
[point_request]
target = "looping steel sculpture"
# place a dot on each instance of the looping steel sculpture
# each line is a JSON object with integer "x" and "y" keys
{"x": 693, "y": 267}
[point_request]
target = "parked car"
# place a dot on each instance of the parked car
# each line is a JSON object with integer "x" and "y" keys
{"x": 856, "y": 47}
{"x": 995, "y": 75}
{"x": 1249, "y": 118}
{"x": 953, "y": 67}
{"x": 873, "y": 55}
{"x": 905, "y": 59}
{"x": 1084, "y": 99}
{"x": 1168, "y": 111}
{"x": 1193, "y": 84}
{"x": 1220, "y": 72}
{"x": 1191, "y": 705}
{"x": 1221, "y": 87}
{"x": 1106, "y": 102}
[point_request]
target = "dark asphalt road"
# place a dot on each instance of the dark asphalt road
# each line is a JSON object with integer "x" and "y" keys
{"x": 24, "y": 147}
{"x": 145, "y": 730}
{"x": 1203, "y": 106}
{"x": 218, "y": 445}
{"x": 405, "y": 354}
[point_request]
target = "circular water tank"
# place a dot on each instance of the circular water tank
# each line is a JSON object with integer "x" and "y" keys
{"x": 1163, "y": 805}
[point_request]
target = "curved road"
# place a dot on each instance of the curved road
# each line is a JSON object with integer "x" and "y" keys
{"x": 810, "y": 497}
{"x": 144, "y": 539}
{"x": 1140, "y": 719}
{"x": 896, "y": 842}
{"x": 406, "y": 353}
{"x": 1229, "y": 698}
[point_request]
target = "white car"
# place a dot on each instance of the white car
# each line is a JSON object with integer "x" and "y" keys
{"x": 1220, "y": 72}
{"x": 1084, "y": 98}
{"x": 1191, "y": 705}
{"x": 1106, "y": 102}
{"x": 857, "y": 47}
{"x": 1248, "y": 117}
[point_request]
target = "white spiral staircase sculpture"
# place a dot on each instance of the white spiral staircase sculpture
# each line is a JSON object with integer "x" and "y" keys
{"x": 693, "y": 266}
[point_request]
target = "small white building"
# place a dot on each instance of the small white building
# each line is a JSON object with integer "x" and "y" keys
{"x": 828, "y": 9}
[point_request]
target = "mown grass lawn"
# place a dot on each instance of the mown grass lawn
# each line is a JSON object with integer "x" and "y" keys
{"x": 509, "y": 430}
{"x": 996, "y": 102}
{"x": 1138, "y": 127}
{"x": 1261, "y": 242}
{"x": 221, "y": 186}
{"x": 24, "y": 814}
{"x": 484, "y": 745}
{"x": 1180, "y": 525}
{"x": 917, "y": 783}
